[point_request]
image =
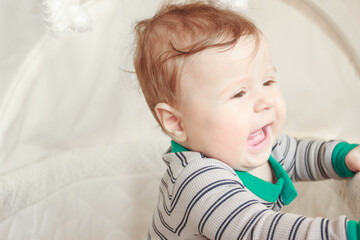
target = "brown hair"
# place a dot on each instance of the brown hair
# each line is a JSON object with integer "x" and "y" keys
{"x": 177, "y": 31}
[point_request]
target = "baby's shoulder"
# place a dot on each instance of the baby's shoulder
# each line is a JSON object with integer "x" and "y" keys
{"x": 194, "y": 167}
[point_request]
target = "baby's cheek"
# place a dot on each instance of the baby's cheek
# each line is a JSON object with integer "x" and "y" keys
{"x": 280, "y": 117}
{"x": 281, "y": 104}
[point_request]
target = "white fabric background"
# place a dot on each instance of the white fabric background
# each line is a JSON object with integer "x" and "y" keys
{"x": 68, "y": 110}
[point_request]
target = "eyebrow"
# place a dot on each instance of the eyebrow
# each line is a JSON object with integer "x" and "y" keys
{"x": 231, "y": 85}
{"x": 242, "y": 79}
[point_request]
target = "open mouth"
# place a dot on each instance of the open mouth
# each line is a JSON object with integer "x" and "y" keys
{"x": 259, "y": 139}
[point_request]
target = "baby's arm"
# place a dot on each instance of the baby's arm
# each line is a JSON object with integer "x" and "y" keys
{"x": 210, "y": 200}
{"x": 308, "y": 160}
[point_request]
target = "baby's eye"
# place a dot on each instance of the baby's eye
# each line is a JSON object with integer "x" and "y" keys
{"x": 239, "y": 94}
{"x": 269, "y": 82}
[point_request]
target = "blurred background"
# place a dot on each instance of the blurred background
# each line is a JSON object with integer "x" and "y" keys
{"x": 80, "y": 154}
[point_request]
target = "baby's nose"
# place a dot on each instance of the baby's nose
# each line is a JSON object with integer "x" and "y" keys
{"x": 264, "y": 102}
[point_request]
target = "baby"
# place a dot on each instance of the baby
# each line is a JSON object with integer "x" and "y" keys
{"x": 208, "y": 79}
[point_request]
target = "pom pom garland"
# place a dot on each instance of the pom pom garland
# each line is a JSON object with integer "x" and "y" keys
{"x": 61, "y": 16}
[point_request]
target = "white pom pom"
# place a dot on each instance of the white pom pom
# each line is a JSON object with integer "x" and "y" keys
{"x": 56, "y": 16}
{"x": 80, "y": 19}
{"x": 61, "y": 16}
{"x": 237, "y": 5}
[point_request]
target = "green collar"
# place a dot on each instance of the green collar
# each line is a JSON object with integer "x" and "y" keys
{"x": 177, "y": 147}
{"x": 270, "y": 192}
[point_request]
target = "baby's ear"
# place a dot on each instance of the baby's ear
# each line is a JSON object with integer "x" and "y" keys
{"x": 171, "y": 122}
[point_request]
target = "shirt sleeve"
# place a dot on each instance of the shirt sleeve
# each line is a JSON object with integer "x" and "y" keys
{"x": 309, "y": 160}
{"x": 353, "y": 230}
{"x": 209, "y": 200}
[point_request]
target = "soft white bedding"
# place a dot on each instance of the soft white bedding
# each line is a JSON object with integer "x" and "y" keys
{"x": 80, "y": 155}
{"x": 103, "y": 192}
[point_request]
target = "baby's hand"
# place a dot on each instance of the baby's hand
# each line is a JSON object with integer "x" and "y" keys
{"x": 352, "y": 159}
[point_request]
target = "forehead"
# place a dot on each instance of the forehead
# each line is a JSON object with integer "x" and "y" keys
{"x": 242, "y": 50}
{"x": 220, "y": 65}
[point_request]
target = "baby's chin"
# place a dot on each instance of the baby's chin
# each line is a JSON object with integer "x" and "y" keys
{"x": 252, "y": 165}
{"x": 256, "y": 161}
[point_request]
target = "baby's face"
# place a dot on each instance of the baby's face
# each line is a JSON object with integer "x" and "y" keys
{"x": 231, "y": 108}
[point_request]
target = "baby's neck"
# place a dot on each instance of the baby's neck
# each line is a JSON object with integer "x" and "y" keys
{"x": 264, "y": 172}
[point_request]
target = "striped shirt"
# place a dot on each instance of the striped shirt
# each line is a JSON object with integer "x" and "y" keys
{"x": 203, "y": 198}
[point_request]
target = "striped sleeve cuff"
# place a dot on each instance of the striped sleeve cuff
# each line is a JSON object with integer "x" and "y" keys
{"x": 353, "y": 230}
{"x": 338, "y": 159}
